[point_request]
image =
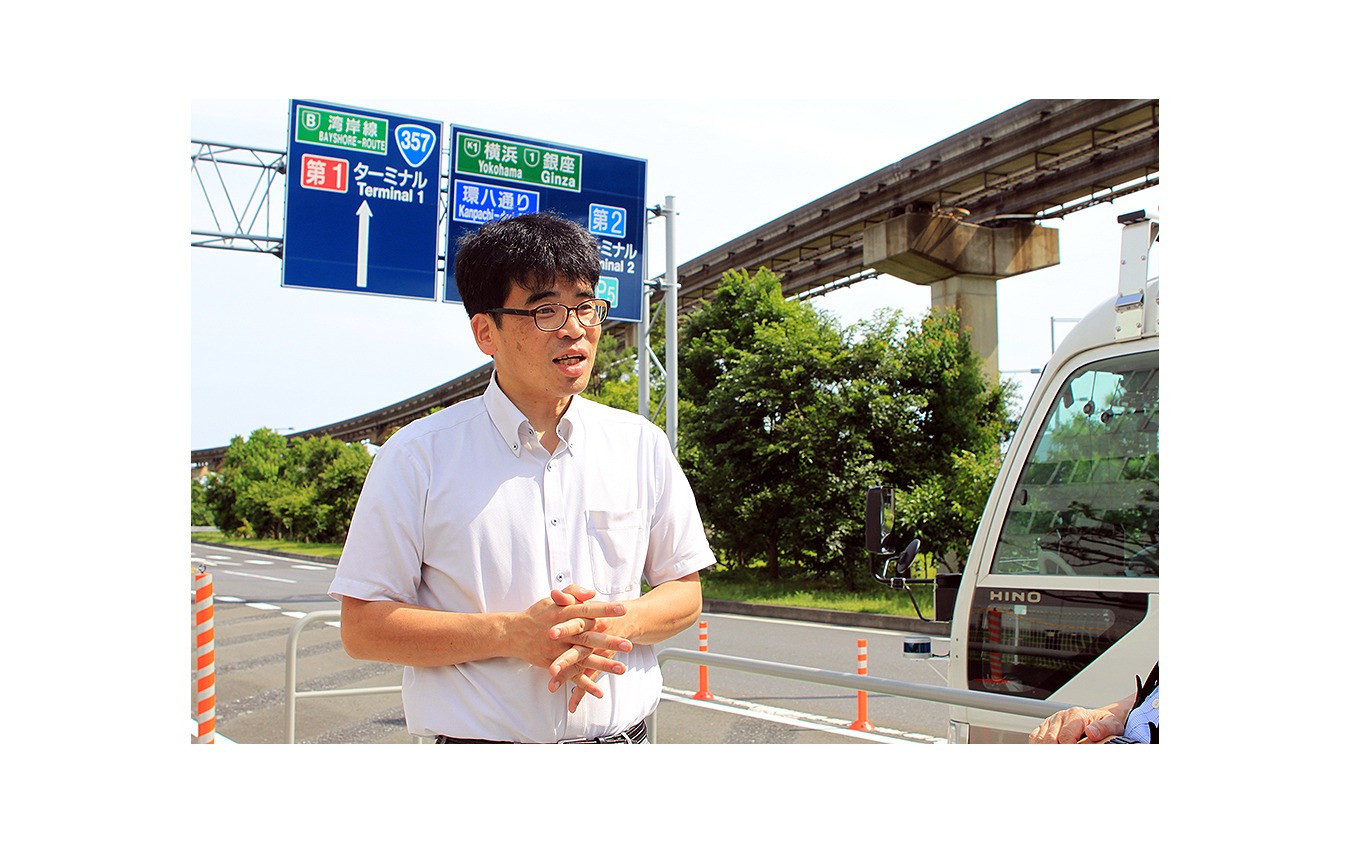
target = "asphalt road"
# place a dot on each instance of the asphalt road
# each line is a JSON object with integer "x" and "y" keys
{"x": 259, "y": 597}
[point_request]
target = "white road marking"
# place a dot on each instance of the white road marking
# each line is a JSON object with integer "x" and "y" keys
{"x": 195, "y": 732}
{"x": 259, "y": 556}
{"x": 259, "y": 576}
{"x": 881, "y": 735}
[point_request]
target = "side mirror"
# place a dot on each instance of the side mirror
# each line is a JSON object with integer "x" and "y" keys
{"x": 879, "y": 533}
{"x": 902, "y": 563}
{"x": 881, "y": 541}
{"x": 944, "y": 596}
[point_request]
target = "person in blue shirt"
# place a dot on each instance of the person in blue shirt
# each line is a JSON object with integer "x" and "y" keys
{"x": 1131, "y": 720}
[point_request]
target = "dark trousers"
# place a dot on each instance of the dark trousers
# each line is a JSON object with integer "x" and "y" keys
{"x": 636, "y": 734}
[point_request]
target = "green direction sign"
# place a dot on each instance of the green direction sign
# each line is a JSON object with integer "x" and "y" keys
{"x": 518, "y": 162}
{"x": 340, "y": 130}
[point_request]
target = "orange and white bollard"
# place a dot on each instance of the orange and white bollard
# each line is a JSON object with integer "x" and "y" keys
{"x": 862, "y": 723}
{"x": 703, "y": 693}
{"x": 995, "y": 638}
{"x": 204, "y": 653}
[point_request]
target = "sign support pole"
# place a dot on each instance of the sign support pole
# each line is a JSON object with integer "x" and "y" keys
{"x": 644, "y": 353}
{"x": 672, "y": 334}
{"x": 671, "y": 304}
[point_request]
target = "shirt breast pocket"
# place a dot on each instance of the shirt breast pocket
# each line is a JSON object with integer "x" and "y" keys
{"x": 618, "y": 543}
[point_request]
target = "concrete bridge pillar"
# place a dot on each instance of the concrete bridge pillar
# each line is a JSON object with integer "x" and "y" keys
{"x": 961, "y": 263}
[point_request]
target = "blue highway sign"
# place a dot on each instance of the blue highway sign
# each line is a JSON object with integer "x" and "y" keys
{"x": 362, "y": 197}
{"x": 494, "y": 175}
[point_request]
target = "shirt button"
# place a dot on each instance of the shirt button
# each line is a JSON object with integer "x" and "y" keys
{"x": 558, "y": 578}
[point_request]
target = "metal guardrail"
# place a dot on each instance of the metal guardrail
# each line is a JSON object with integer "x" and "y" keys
{"x": 858, "y": 682}
{"x": 292, "y": 695}
{"x": 862, "y": 682}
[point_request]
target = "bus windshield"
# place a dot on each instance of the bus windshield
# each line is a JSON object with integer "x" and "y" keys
{"x": 1086, "y": 503}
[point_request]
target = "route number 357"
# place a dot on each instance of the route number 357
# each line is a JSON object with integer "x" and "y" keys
{"x": 415, "y": 143}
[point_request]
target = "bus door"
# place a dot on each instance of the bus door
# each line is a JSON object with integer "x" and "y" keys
{"x": 1065, "y": 603}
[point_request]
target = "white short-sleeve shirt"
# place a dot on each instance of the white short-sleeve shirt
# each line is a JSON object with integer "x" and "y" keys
{"x": 465, "y": 511}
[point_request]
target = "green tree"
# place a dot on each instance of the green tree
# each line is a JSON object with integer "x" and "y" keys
{"x": 337, "y": 481}
{"x": 200, "y": 513}
{"x": 939, "y": 426}
{"x": 961, "y": 426}
{"x": 961, "y": 410}
{"x": 789, "y": 420}
{"x": 769, "y": 430}
{"x": 943, "y": 511}
{"x": 932, "y": 398}
{"x": 614, "y": 379}
{"x": 305, "y": 491}
{"x": 219, "y": 498}
{"x": 247, "y": 464}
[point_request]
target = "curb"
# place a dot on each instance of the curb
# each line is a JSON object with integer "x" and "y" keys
{"x": 838, "y": 618}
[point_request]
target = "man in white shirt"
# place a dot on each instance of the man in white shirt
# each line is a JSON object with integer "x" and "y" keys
{"x": 499, "y": 545}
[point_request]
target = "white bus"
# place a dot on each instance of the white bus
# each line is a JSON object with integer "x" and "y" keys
{"x": 1058, "y": 599}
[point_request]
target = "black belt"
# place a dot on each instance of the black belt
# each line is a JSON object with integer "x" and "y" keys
{"x": 636, "y": 734}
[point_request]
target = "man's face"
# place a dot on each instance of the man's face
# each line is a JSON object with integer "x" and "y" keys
{"x": 533, "y": 366}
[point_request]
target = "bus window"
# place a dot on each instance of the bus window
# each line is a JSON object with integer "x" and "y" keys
{"x": 1086, "y": 503}
{"x": 1030, "y": 643}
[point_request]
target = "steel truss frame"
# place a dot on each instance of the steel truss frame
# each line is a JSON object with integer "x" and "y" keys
{"x": 236, "y": 185}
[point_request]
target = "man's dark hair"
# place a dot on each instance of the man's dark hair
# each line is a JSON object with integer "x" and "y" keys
{"x": 532, "y": 250}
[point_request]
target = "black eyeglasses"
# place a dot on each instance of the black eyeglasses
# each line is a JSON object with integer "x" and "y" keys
{"x": 554, "y": 316}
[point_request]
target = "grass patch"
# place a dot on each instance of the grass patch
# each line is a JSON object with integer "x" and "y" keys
{"x": 796, "y": 589}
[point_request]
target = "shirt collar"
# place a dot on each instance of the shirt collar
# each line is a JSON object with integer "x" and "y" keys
{"x": 513, "y": 426}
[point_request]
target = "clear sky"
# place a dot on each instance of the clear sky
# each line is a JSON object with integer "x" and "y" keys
{"x": 264, "y": 356}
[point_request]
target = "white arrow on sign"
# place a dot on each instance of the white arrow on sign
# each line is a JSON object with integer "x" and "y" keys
{"x": 363, "y": 242}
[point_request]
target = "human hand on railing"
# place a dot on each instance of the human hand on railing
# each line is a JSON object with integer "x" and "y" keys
{"x": 1077, "y": 725}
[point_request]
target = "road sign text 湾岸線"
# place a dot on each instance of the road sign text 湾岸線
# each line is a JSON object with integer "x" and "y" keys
{"x": 362, "y": 201}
